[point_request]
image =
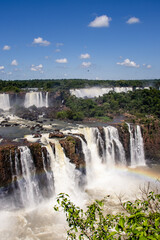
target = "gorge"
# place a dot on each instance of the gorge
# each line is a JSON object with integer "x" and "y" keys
{"x": 41, "y": 157}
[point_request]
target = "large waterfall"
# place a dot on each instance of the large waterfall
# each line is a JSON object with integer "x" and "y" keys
{"x": 97, "y": 91}
{"x": 106, "y": 173}
{"x": 38, "y": 99}
{"x": 4, "y": 101}
{"x": 102, "y": 150}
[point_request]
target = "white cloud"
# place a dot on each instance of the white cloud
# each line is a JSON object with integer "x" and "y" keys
{"x": 37, "y": 68}
{"x": 128, "y": 63}
{"x": 133, "y": 20}
{"x": 102, "y": 21}
{"x": 57, "y": 50}
{"x": 149, "y": 66}
{"x": 85, "y": 56}
{"x": 6, "y": 48}
{"x": 14, "y": 63}
{"x": 86, "y": 64}
{"x": 62, "y": 60}
{"x": 1, "y": 67}
{"x": 59, "y": 45}
{"x": 41, "y": 42}
{"x": 9, "y": 73}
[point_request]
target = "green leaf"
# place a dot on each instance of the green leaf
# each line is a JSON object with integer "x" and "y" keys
{"x": 121, "y": 222}
{"x": 142, "y": 238}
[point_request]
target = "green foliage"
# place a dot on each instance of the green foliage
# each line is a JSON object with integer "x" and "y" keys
{"x": 66, "y": 84}
{"x": 139, "y": 102}
{"x": 141, "y": 221}
{"x": 61, "y": 115}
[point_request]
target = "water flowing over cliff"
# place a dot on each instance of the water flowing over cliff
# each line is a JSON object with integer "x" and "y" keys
{"x": 38, "y": 99}
{"x": 4, "y": 101}
{"x": 97, "y": 91}
{"x": 136, "y": 146}
{"x": 79, "y": 158}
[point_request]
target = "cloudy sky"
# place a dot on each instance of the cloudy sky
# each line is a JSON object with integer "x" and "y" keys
{"x": 91, "y": 39}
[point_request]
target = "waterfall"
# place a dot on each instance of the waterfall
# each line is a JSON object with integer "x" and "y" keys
{"x": 37, "y": 99}
{"x": 97, "y": 91}
{"x": 136, "y": 146}
{"x": 4, "y": 101}
{"x": 49, "y": 173}
{"x": 103, "y": 154}
{"x": 103, "y": 151}
{"x": 65, "y": 174}
{"x": 114, "y": 149}
{"x": 27, "y": 182}
{"x": 108, "y": 151}
{"x": 122, "y": 89}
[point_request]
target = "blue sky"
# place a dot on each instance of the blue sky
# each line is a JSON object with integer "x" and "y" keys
{"x": 92, "y": 39}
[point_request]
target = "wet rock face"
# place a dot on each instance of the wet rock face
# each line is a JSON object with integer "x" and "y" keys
{"x": 73, "y": 149}
{"x": 124, "y": 137}
{"x": 8, "y": 152}
{"x": 56, "y": 134}
{"x": 151, "y": 138}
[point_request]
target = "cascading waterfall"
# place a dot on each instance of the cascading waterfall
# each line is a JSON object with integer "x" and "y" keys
{"x": 136, "y": 146}
{"x": 65, "y": 174}
{"x": 102, "y": 154}
{"x": 27, "y": 182}
{"x": 102, "y": 150}
{"x": 97, "y": 91}
{"x": 4, "y": 101}
{"x": 49, "y": 174}
{"x": 36, "y": 98}
{"x": 109, "y": 150}
{"x": 114, "y": 149}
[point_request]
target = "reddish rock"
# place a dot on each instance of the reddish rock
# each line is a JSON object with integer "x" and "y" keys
{"x": 151, "y": 138}
{"x": 124, "y": 137}
{"x": 73, "y": 149}
{"x": 56, "y": 134}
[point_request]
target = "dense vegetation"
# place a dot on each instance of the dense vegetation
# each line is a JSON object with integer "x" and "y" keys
{"x": 140, "y": 220}
{"x": 139, "y": 103}
{"x": 63, "y": 84}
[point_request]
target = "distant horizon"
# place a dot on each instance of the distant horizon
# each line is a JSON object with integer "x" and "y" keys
{"x": 61, "y": 79}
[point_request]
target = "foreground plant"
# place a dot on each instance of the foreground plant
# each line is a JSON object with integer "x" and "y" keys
{"x": 141, "y": 219}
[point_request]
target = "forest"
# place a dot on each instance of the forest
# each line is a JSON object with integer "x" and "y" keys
{"x": 64, "y": 84}
{"x": 140, "y": 103}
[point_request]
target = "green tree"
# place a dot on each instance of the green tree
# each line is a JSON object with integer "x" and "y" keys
{"x": 141, "y": 221}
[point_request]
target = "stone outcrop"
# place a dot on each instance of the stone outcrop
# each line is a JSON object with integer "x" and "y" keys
{"x": 124, "y": 137}
{"x": 8, "y": 150}
{"x": 151, "y": 138}
{"x": 73, "y": 149}
{"x": 56, "y": 134}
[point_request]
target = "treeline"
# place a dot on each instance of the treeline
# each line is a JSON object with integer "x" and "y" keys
{"x": 65, "y": 84}
{"x": 139, "y": 103}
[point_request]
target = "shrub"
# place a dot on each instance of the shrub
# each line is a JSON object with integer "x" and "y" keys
{"x": 141, "y": 221}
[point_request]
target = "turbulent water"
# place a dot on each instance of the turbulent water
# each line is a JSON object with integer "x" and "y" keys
{"x": 106, "y": 173}
{"x": 36, "y": 98}
{"x": 4, "y": 101}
